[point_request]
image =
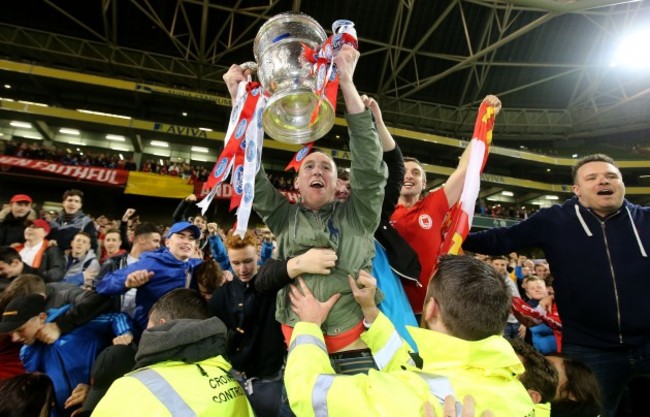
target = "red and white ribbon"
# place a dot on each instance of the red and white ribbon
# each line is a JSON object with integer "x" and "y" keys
{"x": 244, "y": 129}
{"x": 252, "y": 164}
{"x": 327, "y": 80}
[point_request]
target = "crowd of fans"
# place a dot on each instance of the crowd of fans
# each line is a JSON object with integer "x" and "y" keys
{"x": 108, "y": 159}
{"x": 183, "y": 170}
{"x": 85, "y": 257}
{"x": 504, "y": 211}
{"x": 317, "y": 312}
{"x": 67, "y": 156}
{"x": 283, "y": 181}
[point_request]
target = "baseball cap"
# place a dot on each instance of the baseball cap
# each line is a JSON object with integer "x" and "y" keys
{"x": 20, "y": 310}
{"x": 180, "y": 226}
{"x": 111, "y": 364}
{"x": 39, "y": 223}
{"x": 20, "y": 197}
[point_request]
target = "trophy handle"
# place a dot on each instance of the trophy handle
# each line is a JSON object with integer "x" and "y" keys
{"x": 250, "y": 65}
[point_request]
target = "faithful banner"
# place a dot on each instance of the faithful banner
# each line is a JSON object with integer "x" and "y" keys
{"x": 117, "y": 177}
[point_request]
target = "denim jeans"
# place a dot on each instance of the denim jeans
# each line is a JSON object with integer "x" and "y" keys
{"x": 613, "y": 368}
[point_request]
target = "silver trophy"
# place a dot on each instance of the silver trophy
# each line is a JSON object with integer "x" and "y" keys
{"x": 288, "y": 78}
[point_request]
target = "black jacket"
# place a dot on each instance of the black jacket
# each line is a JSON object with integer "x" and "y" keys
{"x": 110, "y": 265}
{"x": 600, "y": 268}
{"x": 52, "y": 267}
{"x": 12, "y": 229}
{"x": 255, "y": 342}
{"x": 86, "y": 305}
{"x": 402, "y": 258}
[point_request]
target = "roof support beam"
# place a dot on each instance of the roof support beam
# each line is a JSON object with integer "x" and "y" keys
{"x": 414, "y": 87}
{"x": 425, "y": 38}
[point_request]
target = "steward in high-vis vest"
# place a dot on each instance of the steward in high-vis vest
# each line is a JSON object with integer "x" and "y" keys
{"x": 461, "y": 352}
{"x": 179, "y": 371}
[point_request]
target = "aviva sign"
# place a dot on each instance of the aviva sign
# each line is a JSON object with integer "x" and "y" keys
{"x": 181, "y": 130}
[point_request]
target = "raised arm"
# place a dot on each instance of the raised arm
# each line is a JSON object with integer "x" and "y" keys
{"x": 367, "y": 171}
{"x": 124, "y": 228}
{"x": 454, "y": 185}
{"x": 385, "y": 138}
{"x": 346, "y": 61}
{"x": 392, "y": 157}
{"x": 180, "y": 214}
{"x": 217, "y": 248}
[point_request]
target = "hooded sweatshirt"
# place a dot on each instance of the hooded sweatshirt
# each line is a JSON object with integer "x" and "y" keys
{"x": 185, "y": 340}
{"x": 179, "y": 371}
{"x": 600, "y": 268}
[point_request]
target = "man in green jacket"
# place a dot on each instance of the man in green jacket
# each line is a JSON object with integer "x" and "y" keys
{"x": 319, "y": 221}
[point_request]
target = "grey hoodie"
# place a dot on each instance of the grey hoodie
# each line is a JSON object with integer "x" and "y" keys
{"x": 186, "y": 340}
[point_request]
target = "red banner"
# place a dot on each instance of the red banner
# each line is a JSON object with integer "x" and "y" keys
{"x": 224, "y": 192}
{"x": 459, "y": 219}
{"x": 102, "y": 175}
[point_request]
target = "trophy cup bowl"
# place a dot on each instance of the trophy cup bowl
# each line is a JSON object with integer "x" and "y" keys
{"x": 288, "y": 79}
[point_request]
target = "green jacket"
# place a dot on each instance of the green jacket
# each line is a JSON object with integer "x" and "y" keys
{"x": 347, "y": 228}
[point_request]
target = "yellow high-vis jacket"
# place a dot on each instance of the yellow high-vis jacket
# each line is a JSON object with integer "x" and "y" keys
{"x": 177, "y": 389}
{"x": 486, "y": 369}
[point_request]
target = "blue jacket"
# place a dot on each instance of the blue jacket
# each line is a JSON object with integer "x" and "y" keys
{"x": 68, "y": 360}
{"x": 600, "y": 266}
{"x": 169, "y": 274}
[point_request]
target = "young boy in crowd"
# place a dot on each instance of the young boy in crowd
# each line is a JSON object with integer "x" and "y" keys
{"x": 544, "y": 325}
{"x": 535, "y": 289}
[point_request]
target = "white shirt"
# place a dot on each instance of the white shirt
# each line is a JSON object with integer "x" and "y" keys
{"x": 28, "y": 254}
